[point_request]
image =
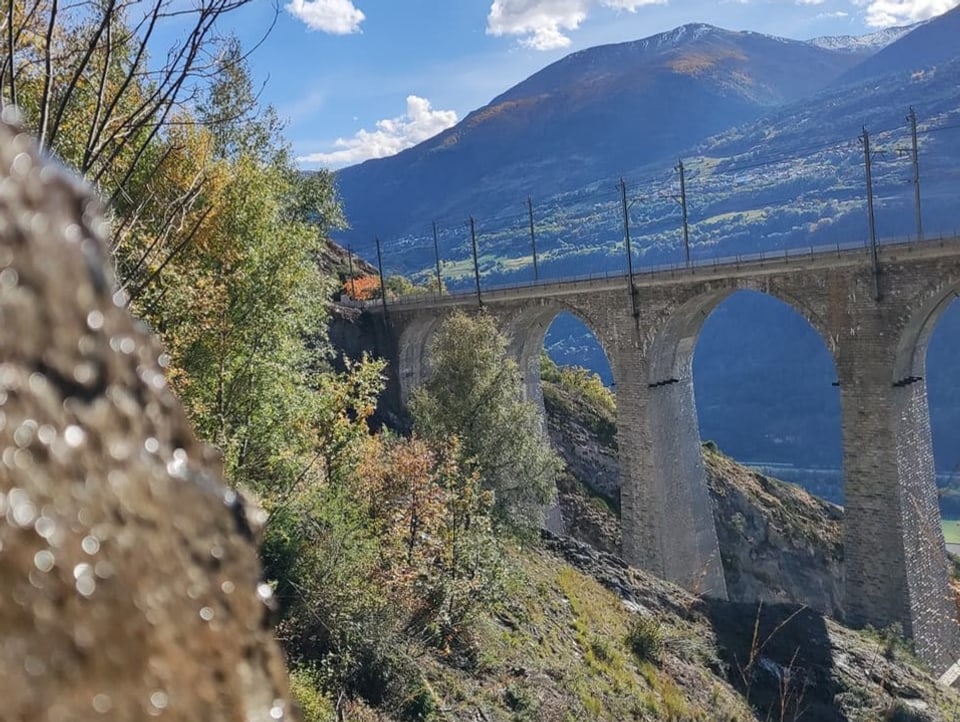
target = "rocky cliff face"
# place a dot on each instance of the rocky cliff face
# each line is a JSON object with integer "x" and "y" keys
{"x": 778, "y": 543}
{"x": 585, "y": 436}
{"x": 129, "y": 580}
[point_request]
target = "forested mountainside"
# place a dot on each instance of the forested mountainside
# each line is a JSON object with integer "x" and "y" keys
{"x": 791, "y": 175}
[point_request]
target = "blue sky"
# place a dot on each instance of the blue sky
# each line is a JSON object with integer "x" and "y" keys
{"x": 356, "y": 79}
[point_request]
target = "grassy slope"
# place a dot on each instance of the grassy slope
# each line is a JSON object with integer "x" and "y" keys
{"x": 951, "y": 531}
{"x": 557, "y": 649}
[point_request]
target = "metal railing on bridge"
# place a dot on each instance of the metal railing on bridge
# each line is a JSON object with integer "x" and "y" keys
{"x": 759, "y": 259}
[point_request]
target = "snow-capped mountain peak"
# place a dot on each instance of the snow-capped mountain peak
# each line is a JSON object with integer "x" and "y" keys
{"x": 865, "y": 44}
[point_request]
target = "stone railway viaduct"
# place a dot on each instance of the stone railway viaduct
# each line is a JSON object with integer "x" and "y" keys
{"x": 875, "y": 317}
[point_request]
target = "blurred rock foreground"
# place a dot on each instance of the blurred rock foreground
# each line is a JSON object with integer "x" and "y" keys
{"x": 129, "y": 581}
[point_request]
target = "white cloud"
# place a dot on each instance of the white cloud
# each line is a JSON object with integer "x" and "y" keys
{"x": 391, "y": 135}
{"x": 337, "y": 17}
{"x": 884, "y": 13}
{"x": 543, "y": 24}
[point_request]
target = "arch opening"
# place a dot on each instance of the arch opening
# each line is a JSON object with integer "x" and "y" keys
{"x": 745, "y": 376}
{"x": 931, "y": 349}
{"x": 566, "y": 372}
{"x": 569, "y": 341}
{"x": 764, "y": 383}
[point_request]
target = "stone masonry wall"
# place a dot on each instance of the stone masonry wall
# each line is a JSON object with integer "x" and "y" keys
{"x": 896, "y": 569}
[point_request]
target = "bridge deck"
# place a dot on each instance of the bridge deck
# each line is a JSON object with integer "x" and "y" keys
{"x": 755, "y": 264}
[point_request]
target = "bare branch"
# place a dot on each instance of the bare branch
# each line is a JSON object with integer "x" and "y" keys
{"x": 181, "y": 206}
{"x": 175, "y": 252}
{"x": 47, "y": 73}
{"x": 90, "y": 155}
{"x": 104, "y": 71}
{"x": 11, "y": 53}
{"x": 81, "y": 68}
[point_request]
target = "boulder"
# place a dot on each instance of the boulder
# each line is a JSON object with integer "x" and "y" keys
{"x": 129, "y": 581}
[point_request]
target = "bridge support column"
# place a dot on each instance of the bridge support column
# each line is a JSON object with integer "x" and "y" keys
{"x": 896, "y": 564}
{"x": 667, "y": 516}
{"x": 676, "y": 462}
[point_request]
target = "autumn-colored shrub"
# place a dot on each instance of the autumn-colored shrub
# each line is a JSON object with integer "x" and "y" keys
{"x": 363, "y": 288}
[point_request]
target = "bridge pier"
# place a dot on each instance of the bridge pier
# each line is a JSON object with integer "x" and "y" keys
{"x": 666, "y": 514}
{"x": 676, "y": 462}
{"x": 895, "y": 557}
{"x": 641, "y": 500}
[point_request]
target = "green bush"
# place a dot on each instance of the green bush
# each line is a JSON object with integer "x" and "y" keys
{"x": 580, "y": 381}
{"x": 601, "y": 649}
{"x": 422, "y": 705}
{"x": 645, "y": 639}
{"x": 305, "y": 688}
{"x": 518, "y": 699}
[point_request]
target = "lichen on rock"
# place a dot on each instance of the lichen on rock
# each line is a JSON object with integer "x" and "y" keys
{"x": 129, "y": 581}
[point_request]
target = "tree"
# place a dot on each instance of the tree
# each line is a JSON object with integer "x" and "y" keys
{"x": 439, "y": 556}
{"x": 83, "y": 75}
{"x": 237, "y": 303}
{"x": 382, "y": 545}
{"x": 473, "y": 392}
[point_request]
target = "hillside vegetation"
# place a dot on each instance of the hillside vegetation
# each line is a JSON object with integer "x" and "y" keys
{"x": 577, "y": 635}
{"x": 408, "y": 579}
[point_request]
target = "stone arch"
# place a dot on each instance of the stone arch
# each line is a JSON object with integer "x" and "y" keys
{"x": 413, "y": 363}
{"x": 911, "y": 356}
{"x": 676, "y": 463}
{"x": 526, "y": 331}
{"x": 672, "y": 352}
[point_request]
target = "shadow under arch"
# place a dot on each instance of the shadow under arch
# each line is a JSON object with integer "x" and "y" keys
{"x": 413, "y": 353}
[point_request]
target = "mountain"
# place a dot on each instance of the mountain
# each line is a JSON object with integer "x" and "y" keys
{"x": 863, "y": 44}
{"x": 791, "y": 175}
{"x": 593, "y": 114}
{"x": 932, "y": 43}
